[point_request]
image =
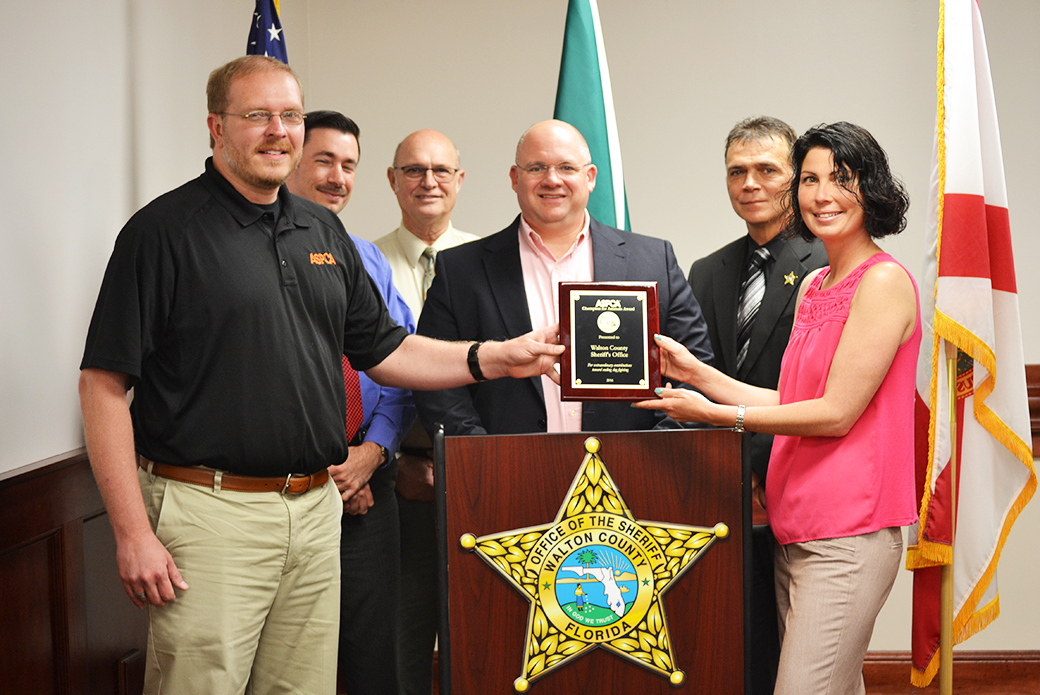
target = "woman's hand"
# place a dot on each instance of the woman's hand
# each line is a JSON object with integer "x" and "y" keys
{"x": 676, "y": 361}
{"x": 682, "y": 405}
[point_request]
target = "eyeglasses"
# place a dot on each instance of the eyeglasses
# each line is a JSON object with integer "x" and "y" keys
{"x": 414, "y": 172}
{"x": 563, "y": 170}
{"x": 290, "y": 118}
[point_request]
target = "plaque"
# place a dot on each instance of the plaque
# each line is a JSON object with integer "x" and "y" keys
{"x": 608, "y": 330}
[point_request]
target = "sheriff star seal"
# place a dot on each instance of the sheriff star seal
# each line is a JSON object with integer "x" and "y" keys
{"x": 595, "y": 576}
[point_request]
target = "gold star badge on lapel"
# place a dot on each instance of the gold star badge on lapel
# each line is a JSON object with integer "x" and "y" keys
{"x": 790, "y": 278}
{"x": 595, "y": 576}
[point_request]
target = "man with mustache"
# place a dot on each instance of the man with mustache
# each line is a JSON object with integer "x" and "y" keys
{"x": 227, "y": 305}
{"x": 758, "y": 170}
{"x": 370, "y": 561}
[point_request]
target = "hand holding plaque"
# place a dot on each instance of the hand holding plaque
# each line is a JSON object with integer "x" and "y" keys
{"x": 608, "y": 330}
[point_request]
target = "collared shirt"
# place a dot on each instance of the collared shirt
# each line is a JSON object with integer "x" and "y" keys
{"x": 387, "y": 412}
{"x": 404, "y": 252}
{"x": 231, "y": 325}
{"x": 543, "y": 273}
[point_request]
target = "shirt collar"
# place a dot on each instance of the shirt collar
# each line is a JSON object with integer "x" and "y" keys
{"x": 413, "y": 246}
{"x": 534, "y": 240}
{"x": 245, "y": 212}
{"x": 774, "y": 246}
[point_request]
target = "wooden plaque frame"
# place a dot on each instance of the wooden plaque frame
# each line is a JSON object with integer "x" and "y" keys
{"x": 632, "y": 330}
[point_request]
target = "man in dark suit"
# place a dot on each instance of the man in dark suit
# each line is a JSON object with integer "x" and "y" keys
{"x": 758, "y": 169}
{"x": 498, "y": 285}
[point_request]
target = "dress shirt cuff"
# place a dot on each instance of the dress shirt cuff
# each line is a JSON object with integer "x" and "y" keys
{"x": 384, "y": 432}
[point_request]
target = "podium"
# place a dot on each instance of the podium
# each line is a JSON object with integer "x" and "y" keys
{"x": 500, "y": 502}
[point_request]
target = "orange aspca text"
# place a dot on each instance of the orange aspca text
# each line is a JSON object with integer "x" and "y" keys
{"x": 322, "y": 259}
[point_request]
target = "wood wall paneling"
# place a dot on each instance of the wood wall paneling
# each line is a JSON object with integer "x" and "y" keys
{"x": 65, "y": 620}
{"x": 28, "y": 651}
{"x": 68, "y": 629}
{"x": 974, "y": 673}
{"x": 1033, "y": 389}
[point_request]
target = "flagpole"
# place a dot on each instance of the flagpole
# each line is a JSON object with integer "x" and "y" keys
{"x": 946, "y": 596}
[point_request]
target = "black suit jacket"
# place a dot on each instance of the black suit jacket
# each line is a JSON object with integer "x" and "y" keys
{"x": 478, "y": 294}
{"x": 715, "y": 280}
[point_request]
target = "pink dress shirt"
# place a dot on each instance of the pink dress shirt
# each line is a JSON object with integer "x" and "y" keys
{"x": 543, "y": 273}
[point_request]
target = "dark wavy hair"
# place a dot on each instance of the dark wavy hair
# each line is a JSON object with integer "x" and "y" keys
{"x": 861, "y": 168}
{"x": 331, "y": 120}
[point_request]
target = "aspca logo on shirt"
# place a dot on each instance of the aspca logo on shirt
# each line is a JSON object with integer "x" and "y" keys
{"x": 322, "y": 259}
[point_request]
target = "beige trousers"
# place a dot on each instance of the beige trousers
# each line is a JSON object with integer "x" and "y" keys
{"x": 828, "y": 594}
{"x": 261, "y": 615}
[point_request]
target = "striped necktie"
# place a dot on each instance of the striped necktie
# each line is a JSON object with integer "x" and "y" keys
{"x": 751, "y": 292}
{"x": 430, "y": 254}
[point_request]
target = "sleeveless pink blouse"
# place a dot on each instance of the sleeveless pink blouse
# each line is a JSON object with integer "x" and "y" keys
{"x": 832, "y": 487}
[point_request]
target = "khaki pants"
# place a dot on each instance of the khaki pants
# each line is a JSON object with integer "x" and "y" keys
{"x": 261, "y": 615}
{"x": 828, "y": 594}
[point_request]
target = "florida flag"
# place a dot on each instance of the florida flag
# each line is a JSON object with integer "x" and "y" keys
{"x": 974, "y": 309}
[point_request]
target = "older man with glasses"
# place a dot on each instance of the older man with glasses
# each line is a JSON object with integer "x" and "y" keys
{"x": 503, "y": 284}
{"x": 426, "y": 177}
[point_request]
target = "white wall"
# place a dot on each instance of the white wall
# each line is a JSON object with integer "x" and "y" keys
{"x": 64, "y": 190}
{"x": 105, "y": 109}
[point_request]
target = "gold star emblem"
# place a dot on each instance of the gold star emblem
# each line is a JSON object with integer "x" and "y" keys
{"x": 790, "y": 278}
{"x": 595, "y": 576}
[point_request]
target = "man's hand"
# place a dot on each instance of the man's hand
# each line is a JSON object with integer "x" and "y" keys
{"x": 531, "y": 354}
{"x": 146, "y": 568}
{"x": 359, "y": 503}
{"x": 758, "y": 490}
{"x": 147, "y": 571}
{"x": 415, "y": 477}
{"x": 353, "y": 474}
{"x": 759, "y": 515}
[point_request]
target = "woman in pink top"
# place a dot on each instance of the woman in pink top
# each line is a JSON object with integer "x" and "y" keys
{"x": 840, "y": 482}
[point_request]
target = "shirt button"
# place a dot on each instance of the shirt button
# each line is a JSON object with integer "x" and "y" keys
{"x": 284, "y": 264}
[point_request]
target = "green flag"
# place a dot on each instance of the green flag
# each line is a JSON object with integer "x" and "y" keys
{"x": 584, "y": 99}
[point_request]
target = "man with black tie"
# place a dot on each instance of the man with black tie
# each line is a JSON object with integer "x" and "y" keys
{"x": 748, "y": 290}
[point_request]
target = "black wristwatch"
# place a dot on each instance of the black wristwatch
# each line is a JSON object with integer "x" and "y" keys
{"x": 474, "y": 362}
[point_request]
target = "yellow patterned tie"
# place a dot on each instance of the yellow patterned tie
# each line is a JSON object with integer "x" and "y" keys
{"x": 430, "y": 254}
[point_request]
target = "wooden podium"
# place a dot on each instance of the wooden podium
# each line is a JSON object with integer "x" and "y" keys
{"x": 494, "y": 485}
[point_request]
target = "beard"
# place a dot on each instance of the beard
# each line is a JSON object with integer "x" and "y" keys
{"x": 253, "y": 172}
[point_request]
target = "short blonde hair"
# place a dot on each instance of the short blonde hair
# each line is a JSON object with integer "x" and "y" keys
{"x": 219, "y": 84}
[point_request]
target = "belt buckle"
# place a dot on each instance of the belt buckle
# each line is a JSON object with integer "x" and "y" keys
{"x": 288, "y": 480}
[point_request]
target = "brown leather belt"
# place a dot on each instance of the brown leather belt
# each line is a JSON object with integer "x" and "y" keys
{"x": 289, "y": 485}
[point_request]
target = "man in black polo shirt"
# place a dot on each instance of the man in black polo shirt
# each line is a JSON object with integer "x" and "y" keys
{"x": 226, "y": 306}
